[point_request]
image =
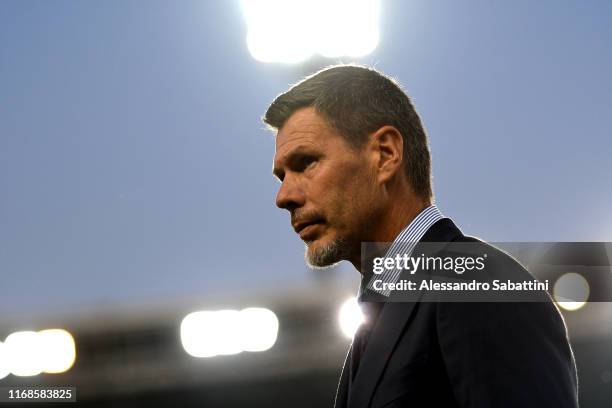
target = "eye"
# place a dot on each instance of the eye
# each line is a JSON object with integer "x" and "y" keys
{"x": 305, "y": 162}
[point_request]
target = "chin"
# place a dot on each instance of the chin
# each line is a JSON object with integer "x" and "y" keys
{"x": 322, "y": 255}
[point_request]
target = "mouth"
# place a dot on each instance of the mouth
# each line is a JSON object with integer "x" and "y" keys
{"x": 307, "y": 229}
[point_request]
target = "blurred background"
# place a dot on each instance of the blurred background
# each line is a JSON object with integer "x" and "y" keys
{"x": 136, "y": 195}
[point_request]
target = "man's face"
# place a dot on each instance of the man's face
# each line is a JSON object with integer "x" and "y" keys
{"x": 327, "y": 186}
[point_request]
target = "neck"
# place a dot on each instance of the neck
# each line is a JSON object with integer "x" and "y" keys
{"x": 392, "y": 220}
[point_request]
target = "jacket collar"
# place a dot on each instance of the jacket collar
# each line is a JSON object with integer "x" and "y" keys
{"x": 385, "y": 335}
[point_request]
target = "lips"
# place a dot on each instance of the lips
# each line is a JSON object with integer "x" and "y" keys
{"x": 305, "y": 229}
{"x": 299, "y": 226}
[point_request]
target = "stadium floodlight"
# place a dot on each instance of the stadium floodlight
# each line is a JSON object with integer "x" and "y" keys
{"x": 227, "y": 337}
{"x": 226, "y": 332}
{"x": 261, "y": 326}
{"x": 58, "y": 351}
{"x": 197, "y": 334}
{"x": 4, "y": 364}
{"x": 291, "y": 31}
{"x": 350, "y": 317}
{"x": 28, "y": 353}
{"x": 571, "y": 291}
{"x": 24, "y": 353}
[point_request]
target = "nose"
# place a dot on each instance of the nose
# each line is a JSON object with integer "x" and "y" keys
{"x": 290, "y": 196}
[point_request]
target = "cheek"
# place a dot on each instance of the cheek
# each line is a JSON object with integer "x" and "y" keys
{"x": 341, "y": 185}
{"x": 353, "y": 198}
{"x": 360, "y": 185}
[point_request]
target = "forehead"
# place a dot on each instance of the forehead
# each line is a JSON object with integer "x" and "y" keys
{"x": 305, "y": 128}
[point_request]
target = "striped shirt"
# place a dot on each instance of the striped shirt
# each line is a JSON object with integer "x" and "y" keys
{"x": 405, "y": 243}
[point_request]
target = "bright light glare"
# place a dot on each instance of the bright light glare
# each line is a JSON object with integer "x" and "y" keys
{"x": 197, "y": 335}
{"x": 571, "y": 291}
{"x": 23, "y": 350}
{"x": 4, "y": 364}
{"x": 350, "y": 317}
{"x": 225, "y": 332}
{"x": 262, "y": 328}
{"x": 28, "y": 353}
{"x": 293, "y": 30}
{"x": 58, "y": 351}
{"x": 227, "y": 335}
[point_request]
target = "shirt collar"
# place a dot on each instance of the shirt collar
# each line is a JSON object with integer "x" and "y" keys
{"x": 404, "y": 243}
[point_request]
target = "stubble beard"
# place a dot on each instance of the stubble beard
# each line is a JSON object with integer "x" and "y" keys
{"x": 326, "y": 255}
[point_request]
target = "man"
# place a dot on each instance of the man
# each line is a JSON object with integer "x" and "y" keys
{"x": 354, "y": 165}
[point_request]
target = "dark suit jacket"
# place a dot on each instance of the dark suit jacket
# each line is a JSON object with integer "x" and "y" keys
{"x": 443, "y": 354}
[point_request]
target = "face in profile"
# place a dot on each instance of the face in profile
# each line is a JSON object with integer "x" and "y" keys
{"x": 327, "y": 186}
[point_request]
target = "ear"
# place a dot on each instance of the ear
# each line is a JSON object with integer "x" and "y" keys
{"x": 388, "y": 144}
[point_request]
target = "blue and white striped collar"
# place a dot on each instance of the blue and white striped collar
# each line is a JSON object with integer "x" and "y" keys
{"x": 405, "y": 243}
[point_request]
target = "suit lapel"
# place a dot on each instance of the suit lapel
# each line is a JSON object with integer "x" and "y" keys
{"x": 383, "y": 339}
{"x": 387, "y": 332}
